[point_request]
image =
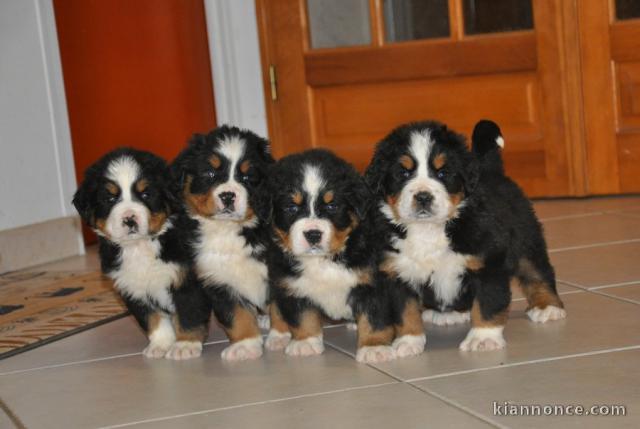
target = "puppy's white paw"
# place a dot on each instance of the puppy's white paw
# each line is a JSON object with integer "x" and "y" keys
{"x": 447, "y": 318}
{"x": 156, "y": 350}
{"x": 183, "y": 350}
{"x": 308, "y": 347}
{"x": 409, "y": 345}
{"x": 483, "y": 339}
{"x": 277, "y": 340}
{"x": 547, "y": 314}
{"x": 251, "y": 348}
{"x": 375, "y": 354}
{"x": 351, "y": 326}
{"x": 264, "y": 322}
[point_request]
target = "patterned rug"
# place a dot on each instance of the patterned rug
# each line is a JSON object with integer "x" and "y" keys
{"x": 37, "y": 308}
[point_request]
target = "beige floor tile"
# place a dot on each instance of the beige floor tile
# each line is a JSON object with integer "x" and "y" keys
{"x": 88, "y": 262}
{"x": 581, "y": 231}
{"x": 405, "y": 406}
{"x": 133, "y": 388}
{"x": 580, "y": 206}
{"x": 119, "y": 337}
{"x": 631, "y": 291}
{"x": 618, "y": 325}
{"x": 563, "y": 288}
{"x": 598, "y": 266}
{"x": 610, "y": 378}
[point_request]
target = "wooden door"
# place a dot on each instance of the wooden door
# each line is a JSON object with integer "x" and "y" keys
{"x": 348, "y": 71}
{"x": 610, "y": 34}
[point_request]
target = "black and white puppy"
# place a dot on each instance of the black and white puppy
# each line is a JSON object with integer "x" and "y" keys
{"x": 460, "y": 233}
{"x": 220, "y": 174}
{"x": 127, "y": 199}
{"x": 323, "y": 262}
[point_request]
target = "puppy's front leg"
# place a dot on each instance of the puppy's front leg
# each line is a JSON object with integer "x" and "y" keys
{"x": 279, "y": 334}
{"x": 410, "y": 338}
{"x": 307, "y": 334}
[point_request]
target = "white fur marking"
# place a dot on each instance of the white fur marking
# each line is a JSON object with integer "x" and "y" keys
{"x": 500, "y": 142}
{"x": 484, "y": 339}
{"x": 445, "y": 318}
{"x": 326, "y": 283}
{"x": 250, "y": 348}
{"x": 375, "y": 354}
{"x": 223, "y": 256}
{"x": 143, "y": 275}
{"x": 233, "y": 149}
{"x": 308, "y": 347}
{"x": 409, "y": 345}
{"x": 183, "y": 350}
{"x": 312, "y": 184}
{"x": 161, "y": 339}
{"x": 547, "y": 314}
{"x": 277, "y": 340}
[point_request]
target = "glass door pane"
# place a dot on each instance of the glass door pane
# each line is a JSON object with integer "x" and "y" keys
{"x": 627, "y": 9}
{"x": 337, "y": 23}
{"x": 415, "y": 19}
{"x": 496, "y": 16}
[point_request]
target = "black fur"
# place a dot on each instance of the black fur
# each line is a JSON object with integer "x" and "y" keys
{"x": 485, "y": 146}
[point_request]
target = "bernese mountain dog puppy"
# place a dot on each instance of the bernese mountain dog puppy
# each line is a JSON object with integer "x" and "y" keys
{"x": 220, "y": 176}
{"x": 127, "y": 199}
{"x": 324, "y": 256}
{"x": 460, "y": 232}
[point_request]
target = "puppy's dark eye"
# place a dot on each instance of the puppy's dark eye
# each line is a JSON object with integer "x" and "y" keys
{"x": 144, "y": 195}
{"x": 292, "y": 209}
{"x": 405, "y": 173}
{"x": 441, "y": 174}
{"x": 112, "y": 199}
{"x": 331, "y": 208}
{"x": 209, "y": 174}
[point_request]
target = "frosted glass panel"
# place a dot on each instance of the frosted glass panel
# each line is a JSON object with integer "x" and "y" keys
{"x": 336, "y": 23}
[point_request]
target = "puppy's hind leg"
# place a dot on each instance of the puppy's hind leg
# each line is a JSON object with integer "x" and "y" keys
{"x": 545, "y": 304}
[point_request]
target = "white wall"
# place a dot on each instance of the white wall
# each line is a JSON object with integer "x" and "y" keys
{"x": 37, "y": 178}
{"x": 235, "y": 58}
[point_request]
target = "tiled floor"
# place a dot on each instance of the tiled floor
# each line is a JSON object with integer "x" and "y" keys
{"x": 98, "y": 378}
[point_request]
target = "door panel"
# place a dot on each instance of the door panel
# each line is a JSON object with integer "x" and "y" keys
{"x": 347, "y": 98}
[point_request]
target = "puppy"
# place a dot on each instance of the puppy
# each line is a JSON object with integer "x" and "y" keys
{"x": 220, "y": 176}
{"x": 323, "y": 263}
{"x": 126, "y": 198}
{"x": 460, "y": 232}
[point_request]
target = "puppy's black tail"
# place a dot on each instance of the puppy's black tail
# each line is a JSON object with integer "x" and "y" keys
{"x": 487, "y": 144}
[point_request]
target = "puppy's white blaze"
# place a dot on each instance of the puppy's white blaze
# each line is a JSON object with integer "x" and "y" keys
{"x": 420, "y": 148}
{"x": 312, "y": 184}
{"x": 124, "y": 171}
{"x": 326, "y": 283}
{"x": 224, "y": 257}
{"x": 143, "y": 275}
{"x": 484, "y": 339}
{"x": 500, "y": 142}
{"x": 233, "y": 148}
{"x": 425, "y": 255}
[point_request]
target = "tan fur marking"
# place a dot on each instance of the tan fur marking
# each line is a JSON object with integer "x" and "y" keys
{"x": 367, "y": 336}
{"x": 101, "y": 224}
{"x": 244, "y": 325}
{"x": 283, "y": 238}
{"x": 392, "y": 201}
{"x": 387, "y": 267}
{"x": 475, "y": 263}
{"x": 198, "y": 333}
{"x": 202, "y": 204}
{"x": 340, "y": 236}
{"x": 156, "y": 221}
{"x": 277, "y": 322}
{"x": 327, "y": 197}
{"x": 141, "y": 185}
{"x": 153, "y": 321}
{"x": 297, "y": 198}
{"x": 411, "y": 320}
{"x": 244, "y": 167}
{"x": 364, "y": 276}
{"x": 112, "y": 188}
{"x": 407, "y": 162}
{"x": 478, "y": 321}
{"x": 538, "y": 293}
{"x": 439, "y": 161}
{"x": 310, "y": 325}
{"x": 215, "y": 161}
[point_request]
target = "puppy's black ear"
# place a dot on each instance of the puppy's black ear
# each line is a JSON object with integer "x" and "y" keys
{"x": 378, "y": 168}
{"x": 264, "y": 149}
{"x": 83, "y": 201}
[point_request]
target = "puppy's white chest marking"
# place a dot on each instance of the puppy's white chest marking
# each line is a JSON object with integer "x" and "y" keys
{"x": 326, "y": 283}
{"x": 224, "y": 257}
{"x": 425, "y": 255}
{"x": 142, "y": 274}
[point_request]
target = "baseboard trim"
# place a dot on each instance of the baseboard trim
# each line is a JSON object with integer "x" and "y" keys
{"x": 40, "y": 243}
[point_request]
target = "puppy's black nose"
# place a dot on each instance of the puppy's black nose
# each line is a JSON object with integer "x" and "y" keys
{"x": 130, "y": 222}
{"x": 423, "y": 199}
{"x": 313, "y": 236}
{"x": 227, "y": 198}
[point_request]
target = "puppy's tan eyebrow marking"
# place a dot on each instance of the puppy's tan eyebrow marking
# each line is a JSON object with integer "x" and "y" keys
{"x": 215, "y": 161}
{"x": 407, "y": 162}
{"x": 244, "y": 167}
{"x": 141, "y": 185}
{"x": 297, "y": 198}
{"x": 112, "y": 188}
{"x": 439, "y": 161}
{"x": 327, "y": 197}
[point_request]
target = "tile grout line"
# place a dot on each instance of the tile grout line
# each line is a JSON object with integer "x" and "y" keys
{"x": 569, "y": 217}
{"x": 591, "y": 246}
{"x": 442, "y": 398}
{"x": 597, "y": 292}
{"x": 265, "y": 402}
{"x": 528, "y": 362}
